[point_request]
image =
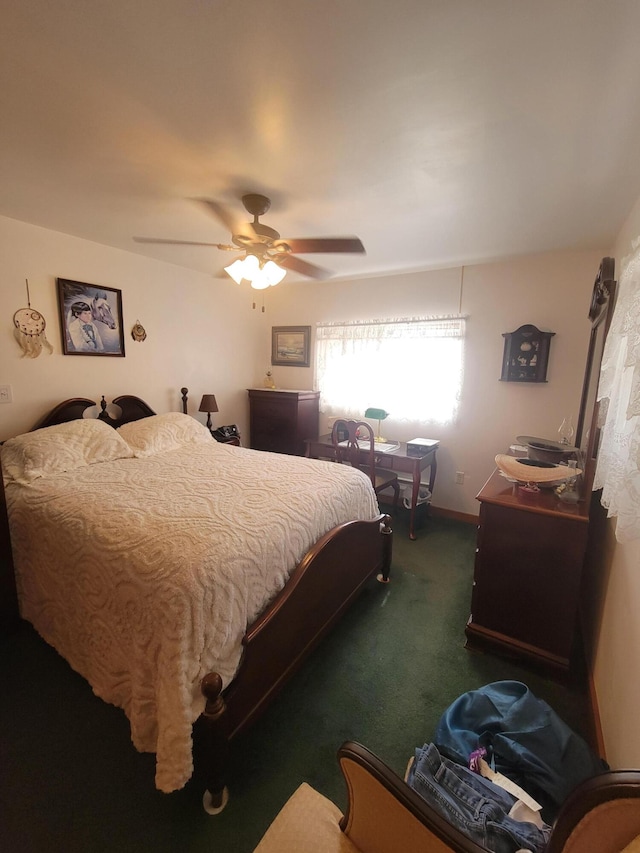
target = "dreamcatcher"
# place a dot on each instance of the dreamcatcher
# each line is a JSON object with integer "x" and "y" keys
{"x": 29, "y": 330}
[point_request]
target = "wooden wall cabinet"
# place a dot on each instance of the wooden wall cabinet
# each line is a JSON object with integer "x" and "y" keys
{"x": 281, "y": 421}
{"x": 526, "y": 355}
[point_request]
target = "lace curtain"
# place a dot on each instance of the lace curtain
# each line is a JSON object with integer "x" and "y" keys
{"x": 410, "y": 367}
{"x": 617, "y": 471}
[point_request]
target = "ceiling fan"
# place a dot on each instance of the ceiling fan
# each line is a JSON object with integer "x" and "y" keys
{"x": 266, "y": 256}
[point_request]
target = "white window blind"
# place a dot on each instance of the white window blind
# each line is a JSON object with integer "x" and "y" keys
{"x": 411, "y": 367}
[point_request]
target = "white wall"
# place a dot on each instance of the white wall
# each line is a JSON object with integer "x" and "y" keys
{"x": 551, "y": 291}
{"x": 616, "y": 678}
{"x": 202, "y": 332}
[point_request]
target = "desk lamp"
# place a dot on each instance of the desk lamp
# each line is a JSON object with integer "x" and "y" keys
{"x": 379, "y": 415}
{"x": 208, "y": 404}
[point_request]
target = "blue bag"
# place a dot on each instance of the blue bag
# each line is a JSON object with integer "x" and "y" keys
{"x": 525, "y": 740}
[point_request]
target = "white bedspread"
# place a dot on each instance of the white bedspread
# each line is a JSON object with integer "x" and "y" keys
{"x": 145, "y": 573}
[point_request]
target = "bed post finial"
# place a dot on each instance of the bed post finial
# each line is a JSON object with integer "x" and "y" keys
{"x": 184, "y": 392}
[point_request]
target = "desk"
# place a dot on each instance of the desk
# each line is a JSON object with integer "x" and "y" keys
{"x": 397, "y": 461}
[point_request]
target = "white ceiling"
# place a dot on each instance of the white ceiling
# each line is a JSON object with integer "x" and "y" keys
{"x": 438, "y": 131}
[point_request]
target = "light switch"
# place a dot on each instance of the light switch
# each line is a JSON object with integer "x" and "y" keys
{"x": 6, "y": 394}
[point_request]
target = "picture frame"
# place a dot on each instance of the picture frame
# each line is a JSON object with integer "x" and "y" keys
{"x": 290, "y": 346}
{"x": 95, "y": 330}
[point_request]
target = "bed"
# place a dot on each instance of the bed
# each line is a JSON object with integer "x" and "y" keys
{"x": 120, "y": 521}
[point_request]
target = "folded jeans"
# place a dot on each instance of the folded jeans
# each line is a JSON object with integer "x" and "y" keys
{"x": 475, "y": 805}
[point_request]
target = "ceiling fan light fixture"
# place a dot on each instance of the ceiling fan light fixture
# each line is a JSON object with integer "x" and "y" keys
{"x": 260, "y": 275}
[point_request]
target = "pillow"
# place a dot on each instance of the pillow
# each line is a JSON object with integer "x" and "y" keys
{"x": 62, "y": 447}
{"x": 159, "y": 433}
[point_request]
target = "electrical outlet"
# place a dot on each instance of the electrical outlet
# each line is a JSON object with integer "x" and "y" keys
{"x": 459, "y": 478}
{"x": 6, "y": 394}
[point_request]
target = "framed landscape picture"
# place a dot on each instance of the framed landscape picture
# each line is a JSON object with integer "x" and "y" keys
{"x": 290, "y": 345}
{"x": 90, "y": 318}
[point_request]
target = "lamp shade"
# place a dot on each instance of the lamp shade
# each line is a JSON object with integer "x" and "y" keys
{"x": 208, "y": 403}
{"x": 236, "y": 270}
{"x": 376, "y": 414}
{"x": 258, "y": 279}
{"x": 274, "y": 273}
{"x": 379, "y": 415}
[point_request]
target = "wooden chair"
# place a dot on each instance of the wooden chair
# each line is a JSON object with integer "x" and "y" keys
{"x": 351, "y": 452}
{"x": 385, "y": 815}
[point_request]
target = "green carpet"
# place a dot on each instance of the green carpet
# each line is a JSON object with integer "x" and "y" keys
{"x": 70, "y": 780}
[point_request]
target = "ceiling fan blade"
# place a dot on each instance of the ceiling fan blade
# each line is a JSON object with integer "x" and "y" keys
{"x": 307, "y": 245}
{"x": 294, "y": 264}
{"x": 230, "y": 221}
{"x": 179, "y": 242}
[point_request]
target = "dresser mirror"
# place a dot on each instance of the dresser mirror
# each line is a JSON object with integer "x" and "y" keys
{"x": 600, "y": 314}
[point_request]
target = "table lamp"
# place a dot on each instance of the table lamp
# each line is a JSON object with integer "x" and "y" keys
{"x": 208, "y": 404}
{"x": 379, "y": 415}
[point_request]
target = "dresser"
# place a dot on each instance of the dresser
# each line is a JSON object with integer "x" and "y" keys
{"x": 531, "y": 555}
{"x": 527, "y": 575}
{"x": 281, "y": 421}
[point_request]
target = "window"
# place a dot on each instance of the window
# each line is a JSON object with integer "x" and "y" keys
{"x": 410, "y": 367}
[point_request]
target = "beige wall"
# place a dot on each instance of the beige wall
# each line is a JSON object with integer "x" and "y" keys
{"x": 204, "y": 333}
{"x": 617, "y": 681}
{"x": 201, "y": 331}
{"x": 551, "y": 291}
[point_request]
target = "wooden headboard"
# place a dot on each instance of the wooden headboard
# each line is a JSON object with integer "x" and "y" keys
{"x": 132, "y": 409}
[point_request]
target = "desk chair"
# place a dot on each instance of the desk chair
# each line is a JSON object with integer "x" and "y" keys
{"x": 385, "y": 815}
{"x": 352, "y": 452}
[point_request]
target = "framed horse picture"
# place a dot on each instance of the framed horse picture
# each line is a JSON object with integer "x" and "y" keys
{"x": 90, "y": 318}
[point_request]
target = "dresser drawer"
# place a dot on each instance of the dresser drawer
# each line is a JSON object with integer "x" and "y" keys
{"x": 273, "y": 414}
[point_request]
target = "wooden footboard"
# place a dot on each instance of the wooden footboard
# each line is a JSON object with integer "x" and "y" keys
{"x": 319, "y": 591}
